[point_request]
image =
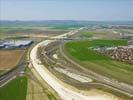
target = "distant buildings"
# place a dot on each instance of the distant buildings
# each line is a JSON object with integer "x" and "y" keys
{"x": 15, "y": 43}
{"x": 120, "y": 53}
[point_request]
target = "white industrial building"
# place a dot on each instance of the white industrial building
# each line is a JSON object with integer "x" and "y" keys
{"x": 15, "y": 43}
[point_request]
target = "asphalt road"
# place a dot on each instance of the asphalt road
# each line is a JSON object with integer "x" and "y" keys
{"x": 17, "y": 71}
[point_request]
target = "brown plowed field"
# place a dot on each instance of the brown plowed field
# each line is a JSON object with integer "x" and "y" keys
{"x": 10, "y": 58}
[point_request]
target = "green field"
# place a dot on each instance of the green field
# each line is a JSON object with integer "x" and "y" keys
{"x": 80, "y": 52}
{"x": 65, "y": 27}
{"x": 86, "y": 34}
{"x": 14, "y": 90}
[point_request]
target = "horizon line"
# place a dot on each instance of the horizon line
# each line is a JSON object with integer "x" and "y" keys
{"x": 63, "y": 20}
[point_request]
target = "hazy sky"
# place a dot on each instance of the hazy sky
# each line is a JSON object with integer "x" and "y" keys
{"x": 66, "y": 10}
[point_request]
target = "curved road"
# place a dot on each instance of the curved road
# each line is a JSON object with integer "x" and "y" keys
{"x": 64, "y": 92}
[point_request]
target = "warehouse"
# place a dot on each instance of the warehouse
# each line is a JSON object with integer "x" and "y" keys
{"x": 15, "y": 43}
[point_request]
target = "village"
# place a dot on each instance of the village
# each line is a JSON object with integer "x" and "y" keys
{"x": 120, "y": 53}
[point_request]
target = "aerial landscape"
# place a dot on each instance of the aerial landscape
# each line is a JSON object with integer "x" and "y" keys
{"x": 66, "y": 50}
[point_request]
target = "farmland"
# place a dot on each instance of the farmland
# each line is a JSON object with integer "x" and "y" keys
{"x": 97, "y": 34}
{"x": 85, "y": 34}
{"x": 37, "y": 91}
{"x": 66, "y": 27}
{"x": 10, "y": 58}
{"x": 14, "y": 90}
{"x": 71, "y": 64}
{"x": 80, "y": 52}
{"x": 21, "y": 33}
